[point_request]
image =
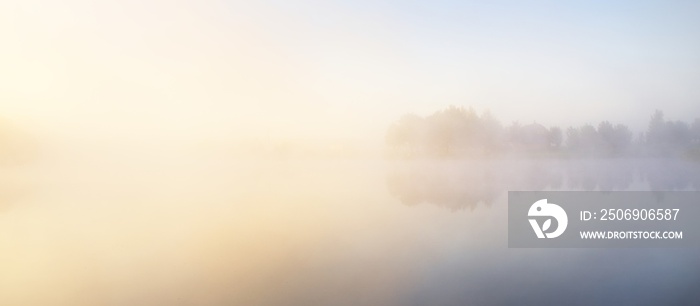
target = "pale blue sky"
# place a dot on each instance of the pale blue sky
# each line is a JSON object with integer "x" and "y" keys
{"x": 345, "y": 69}
{"x": 534, "y": 60}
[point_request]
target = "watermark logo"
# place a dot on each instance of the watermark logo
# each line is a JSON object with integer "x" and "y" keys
{"x": 543, "y": 209}
{"x": 603, "y": 219}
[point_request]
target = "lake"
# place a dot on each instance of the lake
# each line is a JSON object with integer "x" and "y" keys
{"x": 168, "y": 230}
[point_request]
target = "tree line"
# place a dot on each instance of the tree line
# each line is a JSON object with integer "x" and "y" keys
{"x": 456, "y": 131}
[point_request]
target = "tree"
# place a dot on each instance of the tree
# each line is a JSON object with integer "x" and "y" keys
{"x": 406, "y": 135}
{"x": 622, "y": 139}
{"x": 573, "y": 139}
{"x": 606, "y": 138}
{"x": 695, "y": 132}
{"x": 459, "y": 131}
{"x": 555, "y": 137}
{"x": 657, "y": 129}
{"x": 589, "y": 140}
{"x": 490, "y": 132}
{"x": 678, "y": 134}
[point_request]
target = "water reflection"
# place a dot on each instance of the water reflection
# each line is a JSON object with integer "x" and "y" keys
{"x": 459, "y": 185}
{"x": 319, "y": 233}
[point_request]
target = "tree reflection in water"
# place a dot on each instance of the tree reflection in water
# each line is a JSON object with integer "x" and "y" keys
{"x": 459, "y": 184}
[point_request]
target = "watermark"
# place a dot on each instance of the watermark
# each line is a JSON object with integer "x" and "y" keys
{"x": 597, "y": 219}
{"x": 543, "y": 209}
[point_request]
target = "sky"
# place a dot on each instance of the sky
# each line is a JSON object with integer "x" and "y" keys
{"x": 220, "y": 70}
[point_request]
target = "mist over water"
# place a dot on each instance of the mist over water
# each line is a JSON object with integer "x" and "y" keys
{"x": 306, "y": 153}
{"x": 91, "y": 226}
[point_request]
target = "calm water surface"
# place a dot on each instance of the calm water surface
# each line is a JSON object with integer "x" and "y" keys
{"x": 171, "y": 231}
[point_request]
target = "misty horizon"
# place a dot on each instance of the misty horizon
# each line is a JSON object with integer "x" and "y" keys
{"x": 263, "y": 153}
{"x": 193, "y": 71}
